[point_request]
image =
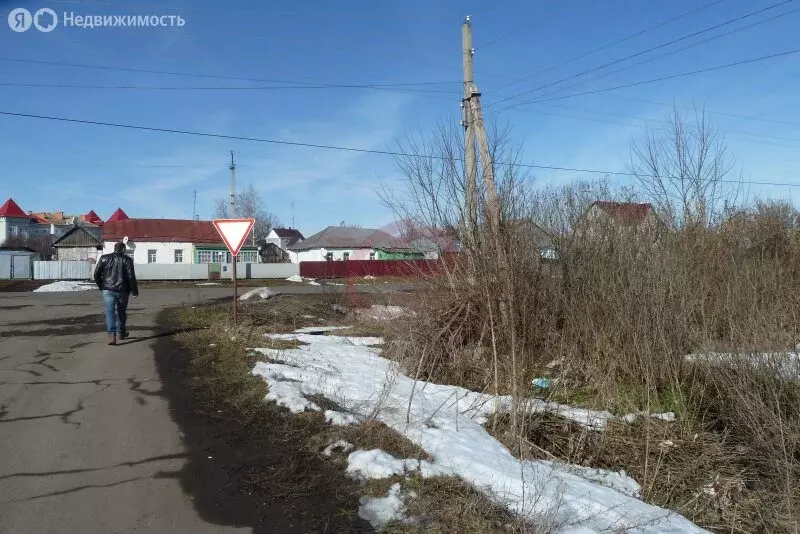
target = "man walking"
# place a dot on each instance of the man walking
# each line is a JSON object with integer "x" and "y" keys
{"x": 116, "y": 278}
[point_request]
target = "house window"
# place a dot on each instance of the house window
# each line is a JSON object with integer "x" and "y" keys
{"x": 179, "y": 256}
{"x": 247, "y": 256}
{"x": 372, "y": 255}
{"x": 151, "y": 256}
{"x": 329, "y": 256}
{"x": 204, "y": 256}
{"x": 346, "y": 256}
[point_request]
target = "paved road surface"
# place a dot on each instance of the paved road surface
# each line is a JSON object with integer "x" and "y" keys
{"x": 87, "y": 444}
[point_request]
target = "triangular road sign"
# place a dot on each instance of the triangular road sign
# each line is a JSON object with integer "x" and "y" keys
{"x": 234, "y": 232}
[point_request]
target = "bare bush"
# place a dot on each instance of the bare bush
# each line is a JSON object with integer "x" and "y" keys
{"x": 612, "y": 308}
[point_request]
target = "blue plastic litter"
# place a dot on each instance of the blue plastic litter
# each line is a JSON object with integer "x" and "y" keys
{"x": 541, "y": 383}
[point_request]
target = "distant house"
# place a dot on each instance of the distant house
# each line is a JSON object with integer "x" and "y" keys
{"x": 284, "y": 237}
{"x": 170, "y": 241}
{"x": 16, "y": 225}
{"x": 79, "y": 243}
{"x": 338, "y": 243}
{"x": 628, "y": 214}
{"x": 59, "y": 223}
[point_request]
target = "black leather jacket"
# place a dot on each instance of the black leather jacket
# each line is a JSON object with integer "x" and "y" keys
{"x": 115, "y": 272}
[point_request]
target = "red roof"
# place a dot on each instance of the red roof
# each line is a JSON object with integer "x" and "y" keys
{"x": 12, "y": 209}
{"x": 162, "y": 230}
{"x": 93, "y": 218}
{"x": 118, "y": 215}
{"x": 628, "y": 212}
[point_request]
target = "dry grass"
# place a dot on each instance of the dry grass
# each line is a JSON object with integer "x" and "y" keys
{"x": 224, "y": 385}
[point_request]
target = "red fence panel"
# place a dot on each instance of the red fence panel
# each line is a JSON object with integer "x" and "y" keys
{"x": 351, "y": 268}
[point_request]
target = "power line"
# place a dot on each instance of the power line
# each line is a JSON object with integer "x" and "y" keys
{"x": 637, "y": 54}
{"x": 613, "y": 43}
{"x": 671, "y": 52}
{"x": 394, "y": 153}
{"x": 654, "y": 80}
{"x": 392, "y": 88}
{"x": 196, "y": 75}
{"x": 721, "y": 113}
{"x": 647, "y": 126}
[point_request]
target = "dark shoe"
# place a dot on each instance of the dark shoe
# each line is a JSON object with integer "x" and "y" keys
{"x": 124, "y": 335}
{"x": 112, "y": 339}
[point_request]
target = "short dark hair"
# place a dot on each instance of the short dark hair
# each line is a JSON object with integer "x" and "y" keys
{"x": 119, "y": 248}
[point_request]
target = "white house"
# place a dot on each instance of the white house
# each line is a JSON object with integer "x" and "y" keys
{"x": 15, "y": 223}
{"x": 284, "y": 237}
{"x": 170, "y": 241}
{"x": 338, "y": 243}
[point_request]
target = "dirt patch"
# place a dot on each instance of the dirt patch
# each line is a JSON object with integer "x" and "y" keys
{"x": 15, "y": 286}
{"x": 249, "y": 463}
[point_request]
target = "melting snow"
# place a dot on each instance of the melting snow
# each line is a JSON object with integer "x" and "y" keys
{"x": 384, "y": 313}
{"x": 60, "y": 286}
{"x": 340, "y": 418}
{"x": 337, "y": 445}
{"x": 446, "y": 422}
{"x": 379, "y": 511}
{"x": 785, "y": 364}
{"x": 263, "y": 292}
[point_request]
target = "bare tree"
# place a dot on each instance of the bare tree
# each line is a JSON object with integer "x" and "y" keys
{"x": 684, "y": 170}
{"x": 248, "y": 204}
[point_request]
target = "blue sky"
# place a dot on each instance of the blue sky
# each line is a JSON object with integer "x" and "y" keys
{"x": 55, "y": 166}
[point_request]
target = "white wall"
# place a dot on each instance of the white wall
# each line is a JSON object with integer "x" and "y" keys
{"x": 76, "y": 253}
{"x": 165, "y": 252}
{"x": 175, "y": 271}
{"x": 318, "y": 254}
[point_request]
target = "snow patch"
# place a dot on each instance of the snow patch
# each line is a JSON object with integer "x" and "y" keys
{"x": 340, "y": 418}
{"x": 263, "y": 292}
{"x": 786, "y": 365}
{"x": 379, "y": 312}
{"x": 295, "y": 278}
{"x": 208, "y": 284}
{"x": 64, "y": 286}
{"x": 630, "y": 418}
{"x": 341, "y": 444}
{"x": 447, "y": 423}
{"x": 311, "y": 329}
{"x": 376, "y": 463}
{"x": 380, "y": 511}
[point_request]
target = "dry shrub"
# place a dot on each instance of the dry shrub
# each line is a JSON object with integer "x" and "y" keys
{"x": 618, "y": 310}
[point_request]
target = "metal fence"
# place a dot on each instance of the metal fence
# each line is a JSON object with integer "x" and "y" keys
{"x": 62, "y": 270}
{"x": 261, "y": 270}
{"x": 171, "y": 271}
{"x": 345, "y": 269}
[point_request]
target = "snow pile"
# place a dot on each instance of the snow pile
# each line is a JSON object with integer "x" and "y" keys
{"x": 61, "y": 286}
{"x": 379, "y": 312}
{"x": 208, "y": 284}
{"x": 369, "y": 277}
{"x": 336, "y": 445}
{"x": 295, "y": 278}
{"x": 263, "y": 292}
{"x": 784, "y": 364}
{"x": 446, "y": 422}
{"x": 379, "y": 464}
{"x": 379, "y": 511}
{"x": 630, "y": 418}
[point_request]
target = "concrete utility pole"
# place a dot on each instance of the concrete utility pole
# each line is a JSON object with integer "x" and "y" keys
{"x": 233, "y": 258}
{"x": 475, "y": 130}
{"x": 470, "y": 166}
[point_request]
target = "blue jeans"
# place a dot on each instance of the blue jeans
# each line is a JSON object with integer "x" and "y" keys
{"x": 115, "y": 301}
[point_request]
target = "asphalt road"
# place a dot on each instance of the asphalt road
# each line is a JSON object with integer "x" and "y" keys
{"x": 87, "y": 443}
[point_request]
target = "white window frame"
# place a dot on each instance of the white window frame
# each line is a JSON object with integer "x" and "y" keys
{"x": 329, "y": 256}
{"x": 345, "y": 256}
{"x": 178, "y": 255}
{"x": 152, "y": 255}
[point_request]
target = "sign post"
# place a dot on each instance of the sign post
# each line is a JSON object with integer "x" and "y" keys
{"x": 234, "y": 233}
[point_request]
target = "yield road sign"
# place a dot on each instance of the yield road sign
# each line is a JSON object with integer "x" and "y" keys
{"x": 234, "y": 232}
